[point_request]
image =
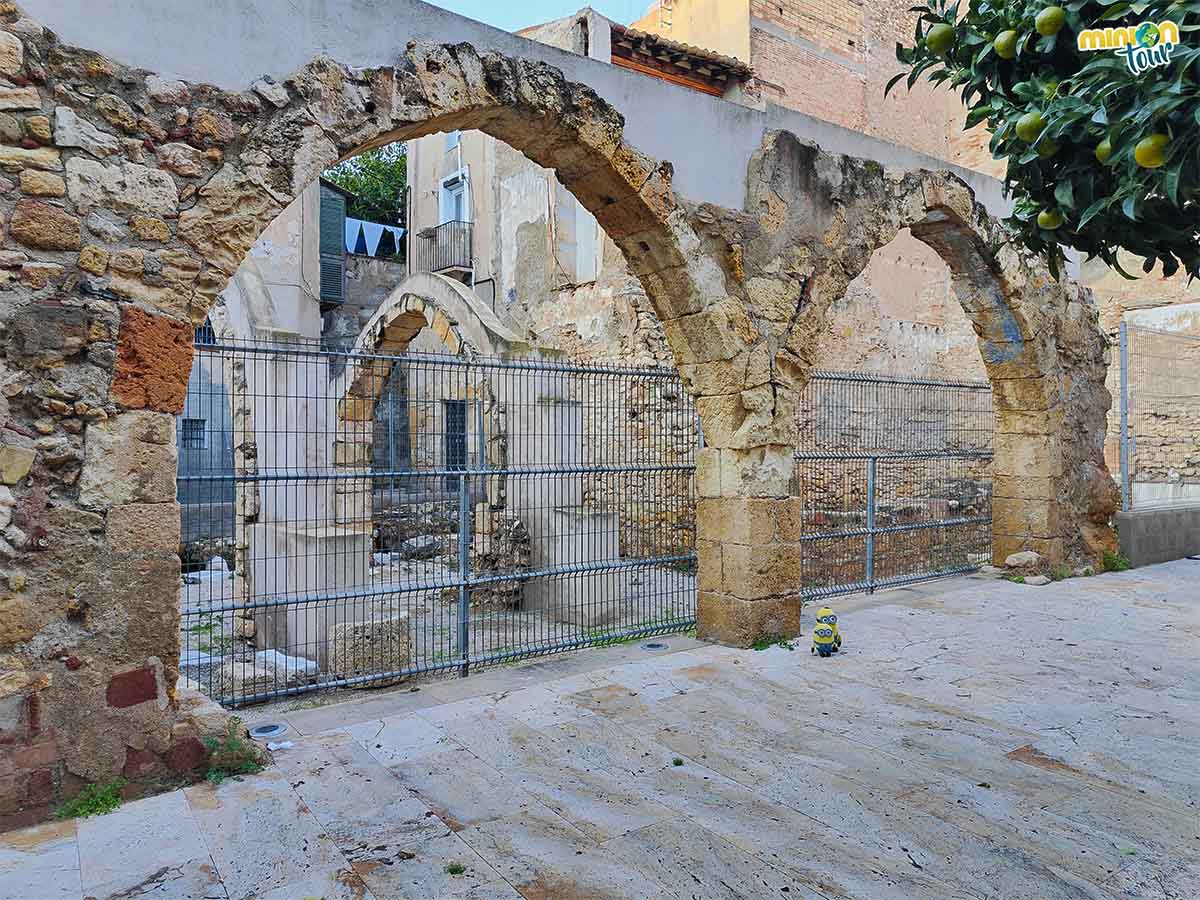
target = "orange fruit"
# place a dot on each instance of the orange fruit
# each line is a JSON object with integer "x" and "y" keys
{"x": 1050, "y": 20}
{"x": 940, "y": 38}
{"x": 1151, "y": 152}
{"x": 1104, "y": 151}
{"x": 1029, "y": 126}
{"x": 1005, "y": 44}
{"x": 1050, "y": 219}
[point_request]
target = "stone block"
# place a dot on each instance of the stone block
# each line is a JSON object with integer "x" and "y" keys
{"x": 735, "y": 520}
{"x": 15, "y": 462}
{"x": 1029, "y": 394}
{"x": 736, "y": 622}
{"x": 352, "y": 454}
{"x": 154, "y": 361}
{"x": 129, "y": 458}
{"x": 143, "y": 527}
{"x": 353, "y": 506}
{"x": 719, "y": 332}
{"x": 131, "y": 688}
{"x": 44, "y": 226}
{"x": 245, "y": 678}
{"x": 128, "y": 188}
{"x": 150, "y": 228}
{"x": 1028, "y": 455}
{"x": 1037, "y": 518}
{"x": 763, "y": 471}
{"x": 72, "y": 131}
{"x": 790, "y": 514}
{"x": 1024, "y": 559}
{"x": 45, "y": 158}
{"x": 359, "y": 649}
{"x": 1020, "y": 487}
{"x": 12, "y": 55}
{"x": 93, "y": 259}
{"x": 186, "y": 754}
{"x": 26, "y": 97}
{"x": 708, "y": 472}
{"x": 755, "y": 572}
{"x": 708, "y": 556}
{"x": 42, "y": 184}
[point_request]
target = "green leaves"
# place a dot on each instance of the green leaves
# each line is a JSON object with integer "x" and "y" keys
{"x": 1085, "y": 98}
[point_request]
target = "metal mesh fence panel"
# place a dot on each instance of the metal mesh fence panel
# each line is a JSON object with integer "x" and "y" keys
{"x": 894, "y": 478}
{"x": 1159, "y": 407}
{"x": 353, "y": 519}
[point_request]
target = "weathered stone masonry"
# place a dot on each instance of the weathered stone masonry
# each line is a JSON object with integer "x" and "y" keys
{"x": 128, "y": 203}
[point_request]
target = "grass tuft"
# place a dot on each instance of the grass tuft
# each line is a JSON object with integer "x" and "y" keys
{"x": 1114, "y": 562}
{"x": 93, "y": 800}
{"x": 232, "y": 755}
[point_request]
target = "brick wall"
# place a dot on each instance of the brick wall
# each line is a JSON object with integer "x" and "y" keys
{"x": 833, "y": 60}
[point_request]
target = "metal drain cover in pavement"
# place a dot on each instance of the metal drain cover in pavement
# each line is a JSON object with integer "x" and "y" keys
{"x": 268, "y": 732}
{"x": 654, "y": 645}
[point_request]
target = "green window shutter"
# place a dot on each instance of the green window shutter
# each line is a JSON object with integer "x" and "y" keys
{"x": 333, "y": 251}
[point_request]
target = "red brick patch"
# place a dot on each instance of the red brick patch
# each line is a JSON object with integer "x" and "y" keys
{"x": 41, "y": 786}
{"x": 186, "y": 755}
{"x": 36, "y": 756}
{"x": 154, "y": 360}
{"x": 138, "y": 763}
{"x": 132, "y": 687}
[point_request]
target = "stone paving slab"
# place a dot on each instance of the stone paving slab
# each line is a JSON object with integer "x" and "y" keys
{"x": 976, "y": 739}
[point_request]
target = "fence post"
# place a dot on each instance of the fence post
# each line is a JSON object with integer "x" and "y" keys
{"x": 464, "y": 574}
{"x": 871, "y": 524}
{"x": 1126, "y": 498}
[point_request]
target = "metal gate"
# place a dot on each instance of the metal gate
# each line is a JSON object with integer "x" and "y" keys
{"x": 383, "y": 516}
{"x": 894, "y": 480}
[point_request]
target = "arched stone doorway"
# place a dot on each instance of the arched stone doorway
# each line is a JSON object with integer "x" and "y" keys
{"x": 305, "y": 520}
{"x": 137, "y": 206}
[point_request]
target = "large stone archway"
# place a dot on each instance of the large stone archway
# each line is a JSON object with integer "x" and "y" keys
{"x": 131, "y": 202}
{"x": 811, "y": 222}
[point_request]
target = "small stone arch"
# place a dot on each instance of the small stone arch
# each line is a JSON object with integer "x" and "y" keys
{"x": 465, "y": 327}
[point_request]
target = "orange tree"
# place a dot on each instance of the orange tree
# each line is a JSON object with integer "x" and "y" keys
{"x": 1102, "y": 144}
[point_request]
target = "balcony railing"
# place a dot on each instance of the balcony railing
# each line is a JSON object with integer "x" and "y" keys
{"x": 448, "y": 246}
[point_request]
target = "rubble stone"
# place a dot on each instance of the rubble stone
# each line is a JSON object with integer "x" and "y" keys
{"x": 72, "y": 131}
{"x": 44, "y": 226}
{"x": 1023, "y": 560}
{"x": 369, "y": 648}
{"x": 42, "y": 184}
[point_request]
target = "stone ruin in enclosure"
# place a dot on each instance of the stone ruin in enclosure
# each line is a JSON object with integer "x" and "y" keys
{"x": 354, "y": 551}
{"x": 129, "y": 201}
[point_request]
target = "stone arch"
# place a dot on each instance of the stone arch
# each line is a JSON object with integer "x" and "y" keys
{"x": 138, "y": 198}
{"x": 811, "y": 224}
{"x": 464, "y": 325}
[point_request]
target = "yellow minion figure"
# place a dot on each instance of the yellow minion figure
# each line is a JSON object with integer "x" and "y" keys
{"x": 822, "y": 644}
{"x": 826, "y": 616}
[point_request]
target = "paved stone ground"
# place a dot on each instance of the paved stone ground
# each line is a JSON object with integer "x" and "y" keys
{"x": 975, "y": 739}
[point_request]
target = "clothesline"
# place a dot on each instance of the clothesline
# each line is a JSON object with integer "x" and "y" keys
{"x": 363, "y": 237}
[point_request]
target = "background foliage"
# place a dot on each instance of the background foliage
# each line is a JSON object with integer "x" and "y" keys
{"x": 377, "y": 179}
{"x": 1084, "y": 99}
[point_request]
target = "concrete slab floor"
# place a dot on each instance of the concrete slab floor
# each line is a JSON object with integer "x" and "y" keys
{"x": 973, "y": 739}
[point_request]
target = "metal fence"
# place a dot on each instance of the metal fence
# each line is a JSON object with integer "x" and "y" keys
{"x": 1159, "y": 409}
{"x": 894, "y": 478}
{"x": 394, "y": 515}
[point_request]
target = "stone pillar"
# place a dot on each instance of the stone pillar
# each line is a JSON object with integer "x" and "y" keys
{"x": 747, "y": 531}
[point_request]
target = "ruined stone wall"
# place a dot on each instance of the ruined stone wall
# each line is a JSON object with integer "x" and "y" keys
{"x": 130, "y": 202}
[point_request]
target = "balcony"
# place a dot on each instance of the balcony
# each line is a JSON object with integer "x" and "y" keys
{"x": 447, "y": 248}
